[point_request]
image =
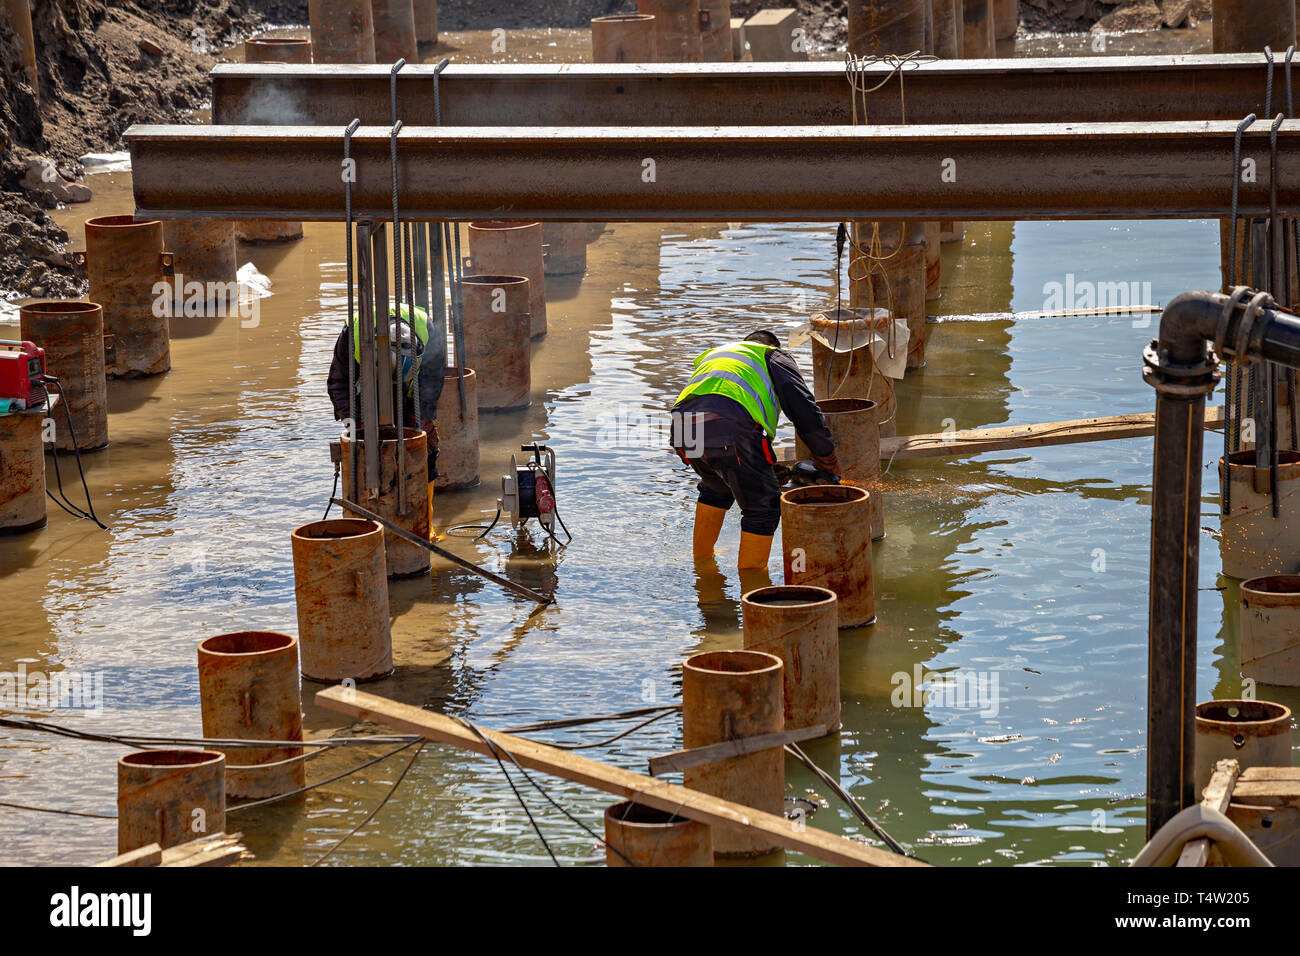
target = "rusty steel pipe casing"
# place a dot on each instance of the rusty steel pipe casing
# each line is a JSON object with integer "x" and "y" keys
{"x": 277, "y": 50}
{"x": 72, "y": 334}
{"x": 978, "y": 42}
{"x": 404, "y": 560}
{"x": 1255, "y": 733}
{"x": 342, "y": 31}
{"x": 340, "y": 581}
{"x": 497, "y": 331}
{"x": 715, "y": 31}
{"x": 169, "y": 797}
{"x": 249, "y": 690}
{"x": 125, "y": 266}
{"x": 1270, "y": 629}
{"x": 933, "y": 264}
{"x": 678, "y": 37}
{"x": 502, "y": 248}
{"x": 800, "y": 625}
{"x": 273, "y": 50}
{"x": 566, "y": 248}
{"x": 203, "y": 254}
{"x": 458, "y": 458}
{"x": 627, "y": 38}
{"x": 1253, "y": 543}
{"x": 898, "y": 285}
{"x": 853, "y": 373}
{"x": 826, "y": 542}
{"x": 879, "y": 27}
{"x": 1247, "y": 26}
{"x": 395, "y": 31}
{"x": 854, "y": 426}
{"x": 426, "y": 21}
{"x": 1006, "y": 19}
{"x": 727, "y": 695}
{"x": 947, "y": 30}
{"x": 637, "y": 835}
{"x": 22, "y": 472}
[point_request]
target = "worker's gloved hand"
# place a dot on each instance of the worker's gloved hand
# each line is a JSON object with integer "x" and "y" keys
{"x": 828, "y": 463}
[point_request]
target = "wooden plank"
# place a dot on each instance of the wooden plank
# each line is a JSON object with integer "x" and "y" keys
{"x": 682, "y": 759}
{"x": 1217, "y": 795}
{"x": 150, "y": 855}
{"x": 622, "y": 783}
{"x": 219, "y": 849}
{"x": 980, "y": 440}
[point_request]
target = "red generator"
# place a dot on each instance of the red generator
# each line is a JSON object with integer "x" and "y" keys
{"x": 22, "y": 367}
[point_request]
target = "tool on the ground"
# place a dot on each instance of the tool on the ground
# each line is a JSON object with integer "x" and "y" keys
{"x": 805, "y": 473}
{"x": 405, "y": 535}
{"x": 528, "y": 491}
{"x": 22, "y": 369}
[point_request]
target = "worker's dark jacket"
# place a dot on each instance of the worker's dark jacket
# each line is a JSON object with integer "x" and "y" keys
{"x": 430, "y": 380}
{"x": 731, "y": 454}
{"x": 337, "y": 384}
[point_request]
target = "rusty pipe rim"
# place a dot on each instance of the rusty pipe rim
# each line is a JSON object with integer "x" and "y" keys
{"x": 625, "y": 18}
{"x": 273, "y": 42}
{"x": 1271, "y": 589}
{"x": 247, "y": 644}
{"x": 338, "y": 529}
{"x": 454, "y": 372}
{"x": 822, "y": 496}
{"x": 493, "y": 280}
{"x": 733, "y": 662}
{"x": 388, "y": 435}
{"x": 1242, "y": 464}
{"x": 638, "y": 816}
{"x": 119, "y": 222}
{"x": 846, "y": 406}
{"x": 1231, "y": 718}
{"x": 60, "y": 307}
{"x": 165, "y": 759}
{"x": 503, "y": 224}
{"x": 854, "y": 319}
{"x": 807, "y": 595}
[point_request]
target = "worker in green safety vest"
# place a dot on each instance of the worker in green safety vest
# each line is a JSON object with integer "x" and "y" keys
{"x": 408, "y": 369}
{"x": 724, "y": 421}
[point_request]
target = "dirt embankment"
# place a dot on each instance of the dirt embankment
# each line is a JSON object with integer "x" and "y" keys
{"x": 102, "y": 66}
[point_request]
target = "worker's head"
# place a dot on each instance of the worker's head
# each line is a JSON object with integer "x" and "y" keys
{"x": 764, "y": 337}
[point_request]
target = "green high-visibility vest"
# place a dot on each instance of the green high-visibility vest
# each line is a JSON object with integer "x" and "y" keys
{"x": 420, "y": 325}
{"x": 739, "y": 372}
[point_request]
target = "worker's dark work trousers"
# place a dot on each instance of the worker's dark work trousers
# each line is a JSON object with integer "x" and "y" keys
{"x": 733, "y": 468}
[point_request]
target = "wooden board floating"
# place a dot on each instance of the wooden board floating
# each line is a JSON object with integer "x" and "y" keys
{"x": 622, "y": 783}
{"x": 219, "y": 849}
{"x": 977, "y": 441}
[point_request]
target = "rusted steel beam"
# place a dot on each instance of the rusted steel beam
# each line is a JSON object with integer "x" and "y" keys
{"x": 1080, "y": 171}
{"x": 1052, "y": 90}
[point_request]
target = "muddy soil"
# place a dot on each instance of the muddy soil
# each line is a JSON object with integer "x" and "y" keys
{"x": 103, "y": 66}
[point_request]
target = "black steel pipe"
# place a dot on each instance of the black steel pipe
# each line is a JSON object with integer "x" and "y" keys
{"x": 1182, "y": 368}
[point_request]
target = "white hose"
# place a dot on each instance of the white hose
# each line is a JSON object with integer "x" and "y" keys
{"x": 1196, "y": 823}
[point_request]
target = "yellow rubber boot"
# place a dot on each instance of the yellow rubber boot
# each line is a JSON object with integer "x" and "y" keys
{"x": 755, "y": 549}
{"x": 433, "y": 535}
{"x": 708, "y": 526}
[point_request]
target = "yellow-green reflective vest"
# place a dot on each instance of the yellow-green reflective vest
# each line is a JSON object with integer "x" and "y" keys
{"x": 420, "y": 326}
{"x": 738, "y": 372}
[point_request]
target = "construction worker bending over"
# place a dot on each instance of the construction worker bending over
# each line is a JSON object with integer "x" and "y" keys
{"x": 405, "y": 370}
{"x": 723, "y": 425}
